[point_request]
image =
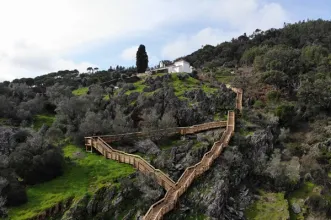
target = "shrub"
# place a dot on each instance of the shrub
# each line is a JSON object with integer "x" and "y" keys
{"x": 286, "y": 114}
{"x": 319, "y": 204}
{"x": 35, "y": 161}
{"x": 258, "y": 104}
{"x": 3, "y": 210}
{"x": 284, "y": 132}
{"x": 273, "y": 96}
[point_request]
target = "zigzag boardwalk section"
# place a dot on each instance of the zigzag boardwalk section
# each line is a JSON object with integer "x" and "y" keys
{"x": 181, "y": 130}
{"x": 160, "y": 208}
{"x": 174, "y": 190}
{"x": 101, "y": 144}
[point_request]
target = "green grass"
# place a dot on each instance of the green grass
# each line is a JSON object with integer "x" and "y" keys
{"x": 299, "y": 196}
{"x": 245, "y": 132}
{"x": 269, "y": 206}
{"x": 39, "y": 120}
{"x": 209, "y": 90}
{"x": 88, "y": 173}
{"x": 189, "y": 84}
{"x": 218, "y": 117}
{"x": 224, "y": 79}
{"x": 80, "y": 91}
{"x": 198, "y": 144}
{"x": 224, "y": 75}
{"x": 139, "y": 87}
{"x": 4, "y": 122}
{"x": 170, "y": 142}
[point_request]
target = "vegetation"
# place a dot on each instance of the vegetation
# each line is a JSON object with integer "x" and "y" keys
{"x": 138, "y": 87}
{"x": 40, "y": 120}
{"x": 299, "y": 196}
{"x": 286, "y": 76}
{"x": 183, "y": 83}
{"x": 80, "y": 91}
{"x": 141, "y": 59}
{"x": 269, "y": 206}
{"x": 84, "y": 174}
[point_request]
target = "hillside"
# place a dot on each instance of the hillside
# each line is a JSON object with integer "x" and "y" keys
{"x": 277, "y": 165}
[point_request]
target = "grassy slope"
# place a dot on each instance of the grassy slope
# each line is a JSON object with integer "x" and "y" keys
{"x": 80, "y": 91}
{"x": 39, "y": 120}
{"x": 180, "y": 86}
{"x": 189, "y": 84}
{"x": 88, "y": 173}
{"x": 224, "y": 75}
{"x": 299, "y": 196}
{"x": 139, "y": 87}
{"x": 269, "y": 206}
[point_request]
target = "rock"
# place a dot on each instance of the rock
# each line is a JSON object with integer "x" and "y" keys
{"x": 296, "y": 208}
{"x": 110, "y": 202}
{"x": 147, "y": 146}
{"x": 77, "y": 210}
{"x": 221, "y": 192}
{"x": 133, "y": 96}
{"x": 148, "y": 89}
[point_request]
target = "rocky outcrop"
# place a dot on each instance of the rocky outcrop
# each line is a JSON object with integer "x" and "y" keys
{"x": 185, "y": 153}
{"x": 194, "y": 107}
{"x": 222, "y": 193}
{"x": 132, "y": 199}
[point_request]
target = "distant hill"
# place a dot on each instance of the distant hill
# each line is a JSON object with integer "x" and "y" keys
{"x": 297, "y": 35}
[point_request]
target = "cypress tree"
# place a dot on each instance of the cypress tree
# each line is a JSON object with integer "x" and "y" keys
{"x": 141, "y": 59}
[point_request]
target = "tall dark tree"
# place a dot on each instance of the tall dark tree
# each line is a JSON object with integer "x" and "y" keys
{"x": 142, "y": 59}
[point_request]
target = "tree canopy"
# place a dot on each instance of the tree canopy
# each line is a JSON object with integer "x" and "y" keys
{"x": 141, "y": 59}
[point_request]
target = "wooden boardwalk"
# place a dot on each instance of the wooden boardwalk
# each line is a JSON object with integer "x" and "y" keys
{"x": 102, "y": 145}
{"x": 174, "y": 189}
{"x": 159, "y": 209}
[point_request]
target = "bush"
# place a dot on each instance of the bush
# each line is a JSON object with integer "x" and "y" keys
{"x": 273, "y": 96}
{"x": 286, "y": 114}
{"x": 319, "y": 204}
{"x": 284, "y": 132}
{"x": 3, "y": 210}
{"x": 258, "y": 104}
{"x": 35, "y": 161}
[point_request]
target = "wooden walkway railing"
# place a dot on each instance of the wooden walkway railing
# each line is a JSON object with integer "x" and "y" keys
{"x": 181, "y": 130}
{"x": 101, "y": 144}
{"x": 160, "y": 208}
{"x": 174, "y": 190}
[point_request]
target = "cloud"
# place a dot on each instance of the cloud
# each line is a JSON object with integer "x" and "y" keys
{"x": 185, "y": 44}
{"x": 129, "y": 54}
{"x": 240, "y": 16}
{"x": 42, "y": 34}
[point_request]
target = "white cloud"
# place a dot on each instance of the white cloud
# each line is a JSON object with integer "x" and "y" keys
{"x": 186, "y": 44}
{"x": 129, "y": 54}
{"x": 240, "y": 16}
{"x": 43, "y": 34}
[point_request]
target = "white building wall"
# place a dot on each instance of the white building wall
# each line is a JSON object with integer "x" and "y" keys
{"x": 179, "y": 67}
{"x": 186, "y": 68}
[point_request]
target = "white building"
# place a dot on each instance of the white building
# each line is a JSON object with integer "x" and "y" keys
{"x": 180, "y": 66}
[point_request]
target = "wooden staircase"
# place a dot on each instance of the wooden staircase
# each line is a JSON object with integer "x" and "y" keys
{"x": 174, "y": 189}
{"x": 160, "y": 208}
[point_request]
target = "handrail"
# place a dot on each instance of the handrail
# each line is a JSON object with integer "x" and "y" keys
{"x": 161, "y": 207}
{"x": 185, "y": 181}
{"x": 138, "y": 157}
{"x": 214, "y": 124}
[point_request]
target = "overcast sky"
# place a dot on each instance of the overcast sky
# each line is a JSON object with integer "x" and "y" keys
{"x": 41, "y": 36}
